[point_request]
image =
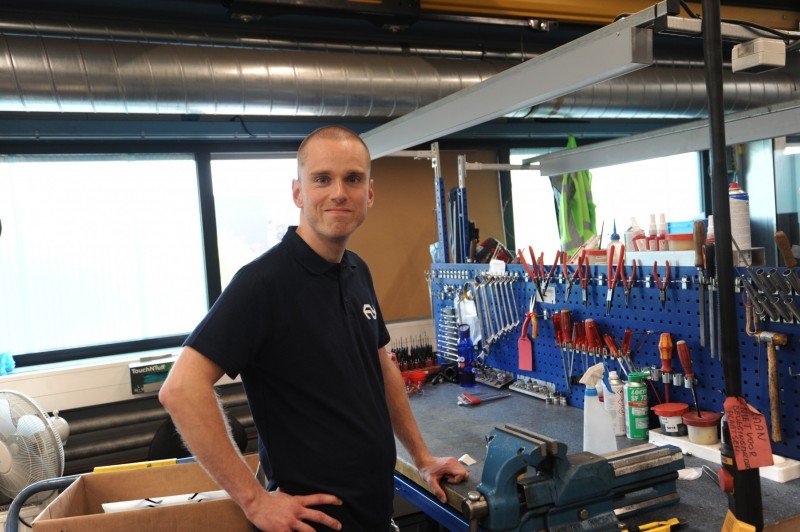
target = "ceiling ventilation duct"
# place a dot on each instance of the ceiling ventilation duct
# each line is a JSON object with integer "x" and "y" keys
{"x": 40, "y": 74}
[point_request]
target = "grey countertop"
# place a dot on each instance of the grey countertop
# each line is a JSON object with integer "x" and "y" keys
{"x": 452, "y": 430}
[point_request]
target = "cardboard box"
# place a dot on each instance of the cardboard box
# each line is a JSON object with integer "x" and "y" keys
{"x": 147, "y": 376}
{"x": 78, "y": 508}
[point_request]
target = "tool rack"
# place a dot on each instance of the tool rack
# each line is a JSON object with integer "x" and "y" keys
{"x": 680, "y": 317}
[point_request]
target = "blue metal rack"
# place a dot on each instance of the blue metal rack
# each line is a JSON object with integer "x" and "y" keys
{"x": 680, "y": 318}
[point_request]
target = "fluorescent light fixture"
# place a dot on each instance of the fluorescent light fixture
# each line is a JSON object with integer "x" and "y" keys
{"x": 791, "y": 149}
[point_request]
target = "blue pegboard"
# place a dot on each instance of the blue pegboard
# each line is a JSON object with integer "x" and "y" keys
{"x": 680, "y": 318}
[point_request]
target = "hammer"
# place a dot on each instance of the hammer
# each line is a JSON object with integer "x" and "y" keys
{"x": 773, "y": 339}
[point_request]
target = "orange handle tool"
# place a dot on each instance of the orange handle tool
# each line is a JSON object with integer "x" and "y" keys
{"x": 557, "y": 328}
{"x": 577, "y": 335}
{"x": 626, "y": 342}
{"x": 566, "y": 326}
{"x": 592, "y": 335}
{"x": 665, "y": 348}
{"x": 685, "y": 357}
{"x": 782, "y": 241}
{"x": 699, "y": 240}
{"x": 611, "y": 345}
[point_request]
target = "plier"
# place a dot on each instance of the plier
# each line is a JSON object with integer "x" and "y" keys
{"x": 531, "y": 319}
{"x": 575, "y": 275}
{"x": 533, "y": 272}
{"x": 627, "y": 282}
{"x": 546, "y": 280}
{"x": 662, "y": 286}
{"x": 613, "y": 278}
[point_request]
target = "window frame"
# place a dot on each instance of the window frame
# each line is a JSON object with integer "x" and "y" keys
{"x": 202, "y": 153}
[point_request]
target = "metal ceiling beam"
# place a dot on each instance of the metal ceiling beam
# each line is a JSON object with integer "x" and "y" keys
{"x": 68, "y": 129}
{"x": 756, "y": 124}
{"x": 730, "y": 32}
{"x": 624, "y": 46}
{"x": 594, "y": 12}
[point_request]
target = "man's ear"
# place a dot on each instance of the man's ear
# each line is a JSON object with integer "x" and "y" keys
{"x": 370, "y": 194}
{"x": 296, "y": 195}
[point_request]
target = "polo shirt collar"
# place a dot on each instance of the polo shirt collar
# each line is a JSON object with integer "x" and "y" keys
{"x": 309, "y": 258}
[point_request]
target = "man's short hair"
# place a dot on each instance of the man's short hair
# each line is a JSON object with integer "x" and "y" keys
{"x": 340, "y": 133}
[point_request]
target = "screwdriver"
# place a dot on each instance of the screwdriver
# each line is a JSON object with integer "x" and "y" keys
{"x": 685, "y": 357}
{"x": 613, "y": 349}
{"x": 558, "y": 332}
{"x": 566, "y": 344}
{"x": 665, "y": 348}
{"x": 592, "y": 337}
{"x": 626, "y": 347}
{"x": 782, "y": 241}
{"x": 578, "y": 342}
{"x": 474, "y": 399}
{"x": 699, "y": 242}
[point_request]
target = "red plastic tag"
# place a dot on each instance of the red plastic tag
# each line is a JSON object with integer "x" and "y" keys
{"x": 749, "y": 435}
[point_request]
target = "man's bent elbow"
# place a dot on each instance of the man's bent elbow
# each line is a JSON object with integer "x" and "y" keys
{"x": 167, "y": 396}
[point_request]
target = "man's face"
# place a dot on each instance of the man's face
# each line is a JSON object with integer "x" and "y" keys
{"x": 333, "y": 190}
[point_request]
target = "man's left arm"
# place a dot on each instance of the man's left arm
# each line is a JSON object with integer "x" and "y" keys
{"x": 433, "y": 469}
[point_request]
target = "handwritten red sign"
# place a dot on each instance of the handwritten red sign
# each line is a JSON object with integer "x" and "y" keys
{"x": 749, "y": 434}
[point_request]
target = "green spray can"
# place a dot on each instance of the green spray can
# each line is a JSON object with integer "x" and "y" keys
{"x": 638, "y": 421}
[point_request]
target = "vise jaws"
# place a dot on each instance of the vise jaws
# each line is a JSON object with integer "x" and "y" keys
{"x": 530, "y": 484}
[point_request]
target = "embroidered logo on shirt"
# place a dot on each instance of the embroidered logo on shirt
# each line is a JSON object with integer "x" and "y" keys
{"x": 369, "y": 312}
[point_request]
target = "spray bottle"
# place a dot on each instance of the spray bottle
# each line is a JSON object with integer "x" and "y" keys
{"x": 598, "y": 433}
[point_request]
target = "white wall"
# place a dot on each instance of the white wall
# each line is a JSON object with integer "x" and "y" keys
{"x": 68, "y": 385}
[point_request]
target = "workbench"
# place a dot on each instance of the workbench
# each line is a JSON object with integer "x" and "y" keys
{"x": 452, "y": 430}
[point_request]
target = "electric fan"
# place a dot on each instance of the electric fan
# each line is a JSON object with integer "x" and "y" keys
{"x": 31, "y": 447}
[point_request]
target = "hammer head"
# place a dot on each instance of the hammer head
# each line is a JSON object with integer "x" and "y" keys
{"x": 774, "y": 338}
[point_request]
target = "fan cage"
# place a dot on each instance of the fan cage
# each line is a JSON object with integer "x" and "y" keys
{"x": 34, "y": 446}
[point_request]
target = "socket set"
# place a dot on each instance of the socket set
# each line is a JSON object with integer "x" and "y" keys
{"x": 496, "y": 378}
{"x": 538, "y": 388}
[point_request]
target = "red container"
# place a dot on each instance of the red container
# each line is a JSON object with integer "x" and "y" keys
{"x": 704, "y": 429}
{"x": 670, "y": 418}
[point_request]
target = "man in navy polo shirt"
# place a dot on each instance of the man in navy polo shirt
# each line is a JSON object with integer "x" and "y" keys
{"x": 302, "y": 326}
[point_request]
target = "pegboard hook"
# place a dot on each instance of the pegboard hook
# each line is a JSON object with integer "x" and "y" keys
{"x": 793, "y": 374}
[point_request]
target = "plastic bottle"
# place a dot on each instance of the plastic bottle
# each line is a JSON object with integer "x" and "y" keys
{"x": 652, "y": 234}
{"x": 615, "y": 402}
{"x": 614, "y": 245}
{"x": 598, "y": 434}
{"x": 466, "y": 358}
{"x": 636, "y": 412}
{"x": 740, "y": 216}
{"x": 661, "y": 232}
{"x": 634, "y": 237}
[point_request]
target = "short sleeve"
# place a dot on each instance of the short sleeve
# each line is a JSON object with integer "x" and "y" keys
{"x": 238, "y": 324}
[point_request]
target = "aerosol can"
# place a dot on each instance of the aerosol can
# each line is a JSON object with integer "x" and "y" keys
{"x": 615, "y": 402}
{"x": 636, "y": 413}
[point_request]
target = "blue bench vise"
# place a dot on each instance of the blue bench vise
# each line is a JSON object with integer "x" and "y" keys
{"x": 530, "y": 484}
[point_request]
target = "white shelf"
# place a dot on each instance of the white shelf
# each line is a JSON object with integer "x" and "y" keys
{"x": 784, "y": 470}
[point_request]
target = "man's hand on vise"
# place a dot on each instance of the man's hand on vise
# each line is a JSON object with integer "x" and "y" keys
{"x": 436, "y": 468}
{"x": 276, "y": 511}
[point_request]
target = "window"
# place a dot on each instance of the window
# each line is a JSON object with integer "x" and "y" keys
{"x": 535, "y": 221}
{"x": 98, "y": 250}
{"x": 254, "y": 206}
{"x": 669, "y": 185}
